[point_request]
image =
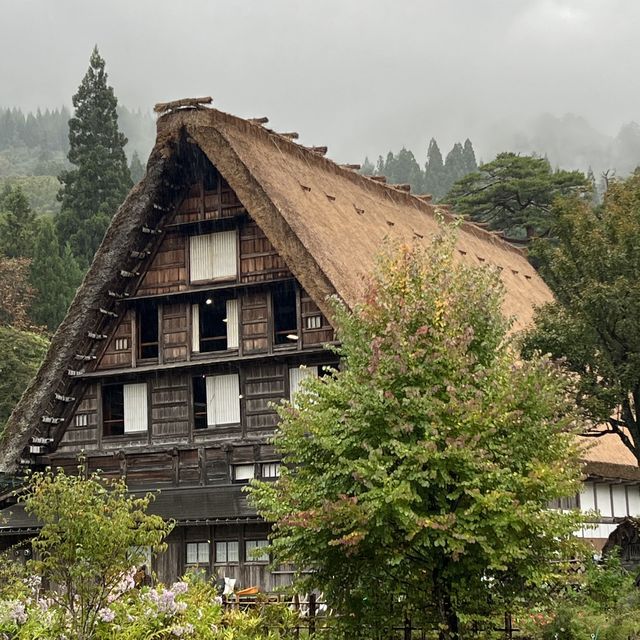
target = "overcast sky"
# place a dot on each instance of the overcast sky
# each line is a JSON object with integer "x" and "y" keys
{"x": 360, "y": 76}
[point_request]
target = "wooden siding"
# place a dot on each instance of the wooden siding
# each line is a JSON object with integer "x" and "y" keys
{"x": 263, "y": 384}
{"x": 114, "y": 357}
{"x": 82, "y": 433}
{"x": 168, "y": 270}
{"x": 170, "y": 408}
{"x": 175, "y": 332}
{"x": 201, "y": 204}
{"x": 312, "y": 336}
{"x": 254, "y": 324}
{"x": 259, "y": 261}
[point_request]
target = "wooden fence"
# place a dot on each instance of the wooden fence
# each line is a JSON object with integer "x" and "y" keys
{"x": 315, "y": 619}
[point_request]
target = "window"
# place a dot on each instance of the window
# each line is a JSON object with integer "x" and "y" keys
{"x": 313, "y": 322}
{"x": 251, "y": 551}
{"x": 270, "y": 470}
{"x": 296, "y": 376}
{"x": 197, "y": 553}
{"x": 213, "y": 256}
{"x": 285, "y": 317}
{"x": 122, "y": 344}
{"x": 81, "y": 420}
{"x": 124, "y": 408}
{"x": 216, "y": 400}
{"x": 214, "y": 325}
{"x": 243, "y": 472}
{"x": 227, "y": 551}
{"x": 200, "y": 403}
{"x": 148, "y": 330}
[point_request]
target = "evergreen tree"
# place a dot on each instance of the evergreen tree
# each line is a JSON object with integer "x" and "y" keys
{"x": 434, "y": 171}
{"x": 55, "y": 275}
{"x": 407, "y": 170}
{"x": 380, "y": 166}
{"x": 136, "y": 168}
{"x": 16, "y": 224}
{"x": 367, "y": 168}
{"x": 454, "y": 167}
{"x": 469, "y": 156}
{"x": 92, "y": 192}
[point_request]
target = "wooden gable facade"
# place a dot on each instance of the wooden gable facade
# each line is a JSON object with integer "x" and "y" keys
{"x": 206, "y": 305}
{"x": 212, "y": 331}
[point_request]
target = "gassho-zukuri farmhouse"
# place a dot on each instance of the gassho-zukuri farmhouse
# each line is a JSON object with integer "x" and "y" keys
{"x": 205, "y": 304}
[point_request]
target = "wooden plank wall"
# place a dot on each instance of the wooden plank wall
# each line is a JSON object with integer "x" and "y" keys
{"x": 168, "y": 270}
{"x": 79, "y": 437}
{"x": 175, "y": 337}
{"x": 259, "y": 261}
{"x": 115, "y": 358}
{"x": 170, "y": 408}
{"x": 263, "y": 384}
{"x": 200, "y": 204}
{"x": 254, "y": 322}
{"x": 313, "y": 337}
{"x": 171, "y": 565}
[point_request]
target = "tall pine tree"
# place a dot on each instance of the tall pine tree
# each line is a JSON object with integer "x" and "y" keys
{"x": 136, "y": 168}
{"x": 434, "y": 171}
{"x": 55, "y": 275}
{"x": 17, "y": 222}
{"x": 92, "y": 192}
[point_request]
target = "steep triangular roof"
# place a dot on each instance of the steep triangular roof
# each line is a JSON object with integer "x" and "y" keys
{"x": 326, "y": 221}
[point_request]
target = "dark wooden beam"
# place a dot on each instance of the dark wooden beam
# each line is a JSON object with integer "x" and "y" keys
{"x": 192, "y": 103}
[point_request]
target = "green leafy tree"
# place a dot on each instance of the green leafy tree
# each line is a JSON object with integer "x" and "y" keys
{"x": 593, "y": 268}
{"x": 21, "y": 353}
{"x": 55, "y": 276}
{"x": 92, "y": 192}
{"x": 17, "y": 222}
{"x": 514, "y": 194}
{"x": 422, "y": 470}
{"x": 93, "y": 532}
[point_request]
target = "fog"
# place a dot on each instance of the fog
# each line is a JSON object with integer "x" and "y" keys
{"x": 360, "y": 77}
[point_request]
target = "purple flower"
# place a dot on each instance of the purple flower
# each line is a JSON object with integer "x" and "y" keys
{"x": 106, "y": 615}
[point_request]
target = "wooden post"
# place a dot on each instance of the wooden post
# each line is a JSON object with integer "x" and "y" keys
{"x": 508, "y": 626}
{"x": 312, "y": 614}
{"x": 407, "y": 628}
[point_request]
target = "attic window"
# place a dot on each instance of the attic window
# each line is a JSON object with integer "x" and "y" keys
{"x": 81, "y": 420}
{"x": 124, "y": 408}
{"x": 285, "y": 316}
{"x": 216, "y": 400}
{"x": 313, "y": 322}
{"x": 213, "y": 256}
{"x": 122, "y": 344}
{"x": 147, "y": 330}
{"x": 214, "y": 325}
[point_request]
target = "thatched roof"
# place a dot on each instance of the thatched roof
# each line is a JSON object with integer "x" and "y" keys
{"x": 328, "y": 223}
{"x": 607, "y": 458}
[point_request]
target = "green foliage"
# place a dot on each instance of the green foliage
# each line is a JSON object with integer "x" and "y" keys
{"x": 593, "y": 268}
{"x": 136, "y": 168}
{"x": 92, "y": 192}
{"x": 87, "y": 545}
{"x": 437, "y": 176}
{"x": 21, "y": 353}
{"x": 423, "y": 468}
{"x": 41, "y": 191}
{"x": 514, "y": 194}
{"x": 55, "y": 276}
{"x": 601, "y": 602}
{"x": 17, "y": 222}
